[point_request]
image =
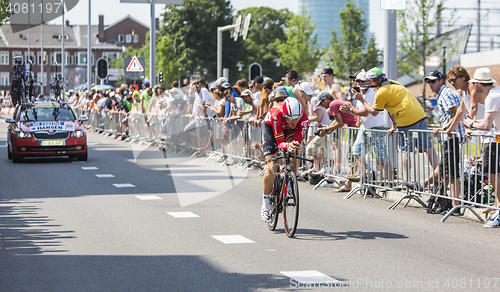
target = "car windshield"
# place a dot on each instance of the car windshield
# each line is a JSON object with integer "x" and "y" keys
{"x": 33, "y": 114}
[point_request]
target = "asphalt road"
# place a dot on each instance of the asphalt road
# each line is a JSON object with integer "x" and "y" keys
{"x": 136, "y": 219}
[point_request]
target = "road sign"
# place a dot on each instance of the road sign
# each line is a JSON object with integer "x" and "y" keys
{"x": 133, "y": 74}
{"x": 134, "y": 66}
{"x": 393, "y": 4}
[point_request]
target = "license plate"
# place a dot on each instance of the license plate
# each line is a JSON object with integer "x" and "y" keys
{"x": 52, "y": 143}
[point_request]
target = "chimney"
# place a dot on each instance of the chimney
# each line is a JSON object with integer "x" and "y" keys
{"x": 67, "y": 22}
{"x": 157, "y": 23}
{"x": 101, "y": 27}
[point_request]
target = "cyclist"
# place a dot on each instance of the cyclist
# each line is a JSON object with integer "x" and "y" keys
{"x": 284, "y": 127}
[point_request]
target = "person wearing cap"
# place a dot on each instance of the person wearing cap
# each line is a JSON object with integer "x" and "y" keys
{"x": 333, "y": 88}
{"x": 316, "y": 146}
{"x": 405, "y": 111}
{"x": 306, "y": 93}
{"x": 482, "y": 82}
{"x": 368, "y": 121}
{"x": 340, "y": 119}
{"x": 448, "y": 102}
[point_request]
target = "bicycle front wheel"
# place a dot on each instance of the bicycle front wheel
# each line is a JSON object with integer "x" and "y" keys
{"x": 291, "y": 204}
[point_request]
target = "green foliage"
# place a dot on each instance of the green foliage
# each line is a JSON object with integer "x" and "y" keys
{"x": 415, "y": 33}
{"x": 350, "y": 51}
{"x": 4, "y": 14}
{"x": 192, "y": 30}
{"x": 116, "y": 63}
{"x": 266, "y": 31}
{"x": 300, "y": 51}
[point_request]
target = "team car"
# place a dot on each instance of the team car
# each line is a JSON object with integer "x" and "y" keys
{"x": 46, "y": 128}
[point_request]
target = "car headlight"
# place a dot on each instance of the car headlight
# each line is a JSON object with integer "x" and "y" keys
{"x": 78, "y": 134}
{"x": 22, "y": 135}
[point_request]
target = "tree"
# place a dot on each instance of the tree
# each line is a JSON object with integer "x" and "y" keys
{"x": 266, "y": 31}
{"x": 192, "y": 30}
{"x": 300, "y": 51}
{"x": 4, "y": 14}
{"x": 416, "y": 25}
{"x": 351, "y": 51}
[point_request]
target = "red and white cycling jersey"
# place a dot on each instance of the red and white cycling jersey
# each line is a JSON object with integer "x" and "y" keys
{"x": 276, "y": 120}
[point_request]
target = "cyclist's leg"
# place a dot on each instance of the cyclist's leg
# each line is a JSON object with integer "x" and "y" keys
{"x": 270, "y": 148}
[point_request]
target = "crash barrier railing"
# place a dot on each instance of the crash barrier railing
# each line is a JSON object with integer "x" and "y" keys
{"x": 466, "y": 172}
{"x": 379, "y": 162}
{"x": 234, "y": 141}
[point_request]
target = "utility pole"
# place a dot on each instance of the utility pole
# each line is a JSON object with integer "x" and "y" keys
{"x": 89, "y": 52}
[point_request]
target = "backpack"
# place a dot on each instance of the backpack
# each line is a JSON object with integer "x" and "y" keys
{"x": 438, "y": 205}
{"x": 314, "y": 178}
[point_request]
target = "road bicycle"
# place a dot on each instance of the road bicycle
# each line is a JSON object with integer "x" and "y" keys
{"x": 285, "y": 195}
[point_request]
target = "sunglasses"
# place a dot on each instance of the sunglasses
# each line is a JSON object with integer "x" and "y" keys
{"x": 431, "y": 81}
{"x": 251, "y": 87}
{"x": 453, "y": 79}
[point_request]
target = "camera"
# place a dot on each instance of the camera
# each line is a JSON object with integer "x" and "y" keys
{"x": 356, "y": 88}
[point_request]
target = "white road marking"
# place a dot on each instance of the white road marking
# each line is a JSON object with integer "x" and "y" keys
{"x": 104, "y": 175}
{"x": 182, "y": 214}
{"x": 309, "y": 277}
{"x": 124, "y": 185}
{"x": 90, "y": 168}
{"x": 230, "y": 239}
{"x": 2, "y": 146}
{"x": 145, "y": 198}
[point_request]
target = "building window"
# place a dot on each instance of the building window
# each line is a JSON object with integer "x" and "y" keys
{"x": 4, "y": 58}
{"x": 39, "y": 58}
{"x": 56, "y": 57}
{"x": 31, "y": 56}
{"x": 4, "y": 78}
{"x": 111, "y": 55}
{"x": 40, "y": 79}
{"x": 128, "y": 38}
{"x": 121, "y": 38}
{"x": 136, "y": 38}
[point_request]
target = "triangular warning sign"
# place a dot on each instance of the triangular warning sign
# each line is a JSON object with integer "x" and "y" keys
{"x": 135, "y": 65}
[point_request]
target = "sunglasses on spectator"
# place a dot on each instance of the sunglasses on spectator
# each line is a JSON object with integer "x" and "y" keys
{"x": 431, "y": 81}
{"x": 251, "y": 87}
{"x": 453, "y": 79}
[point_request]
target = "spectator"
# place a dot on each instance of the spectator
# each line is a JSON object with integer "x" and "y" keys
{"x": 264, "y": 104}
{"x": 483, "y": 83}
{"x": 294, "y": 91}
{"x": 368, "y": 121}
{"x": 316, "y": 147}
{"x": 405, "y": 111}
{"x": 333, "y": 88}
{"x": 340, "y": 119}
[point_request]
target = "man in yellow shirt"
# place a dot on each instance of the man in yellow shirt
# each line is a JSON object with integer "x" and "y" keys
{"x": 405, "y": 111}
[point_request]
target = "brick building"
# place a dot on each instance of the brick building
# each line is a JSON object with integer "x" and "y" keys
{"x": 107, "y": 42}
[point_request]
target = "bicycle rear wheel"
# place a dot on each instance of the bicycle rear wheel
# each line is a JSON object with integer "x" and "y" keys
{"x": 291, "y": 204}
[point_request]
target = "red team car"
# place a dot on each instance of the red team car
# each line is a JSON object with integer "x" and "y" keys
{"x": 46, "y": 129}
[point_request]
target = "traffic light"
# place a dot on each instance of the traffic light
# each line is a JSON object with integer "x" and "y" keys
{"x": 102, "y": 68}
{"x": 160, "y": 77}
{"x": 254, "y": 71}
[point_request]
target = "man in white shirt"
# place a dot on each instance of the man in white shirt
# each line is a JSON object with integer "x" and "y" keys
{"x": 483, "y": 83}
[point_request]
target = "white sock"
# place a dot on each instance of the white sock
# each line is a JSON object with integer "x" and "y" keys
{"x": 265, "y": 202}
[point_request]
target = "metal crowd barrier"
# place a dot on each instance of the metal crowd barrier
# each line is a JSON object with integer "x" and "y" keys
{"x": 233, "y": 141}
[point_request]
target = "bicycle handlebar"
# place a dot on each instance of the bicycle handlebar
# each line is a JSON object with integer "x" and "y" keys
{"x": 282, "y": 155}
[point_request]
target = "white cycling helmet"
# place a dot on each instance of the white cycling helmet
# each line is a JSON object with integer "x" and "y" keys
{"x": 292, "y": 108}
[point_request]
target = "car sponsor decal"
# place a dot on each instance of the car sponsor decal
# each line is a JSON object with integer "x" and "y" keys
{"x": 51, "y": 126}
